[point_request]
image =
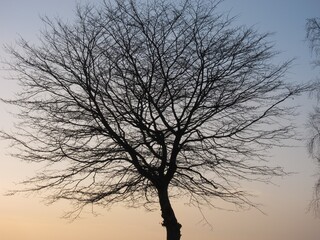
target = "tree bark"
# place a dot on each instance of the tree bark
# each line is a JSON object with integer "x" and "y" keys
{"x": 169, "y": 219}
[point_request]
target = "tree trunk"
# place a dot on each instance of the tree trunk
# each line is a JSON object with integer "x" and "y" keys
{"x": 169, "y": 219}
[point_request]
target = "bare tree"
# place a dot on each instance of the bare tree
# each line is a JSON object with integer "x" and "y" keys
{"x": 140, "y": 102}
{"x": 313, "y": 37}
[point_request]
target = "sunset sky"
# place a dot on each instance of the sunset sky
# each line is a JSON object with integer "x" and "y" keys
{"x": 285, "y": 202}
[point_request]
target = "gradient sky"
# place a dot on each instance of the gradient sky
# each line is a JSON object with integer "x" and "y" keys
{"x": 285, "y": 202}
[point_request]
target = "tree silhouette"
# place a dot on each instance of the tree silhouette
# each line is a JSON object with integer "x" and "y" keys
{"x": 313, "y": 37}
{"x": 141, "y": 102}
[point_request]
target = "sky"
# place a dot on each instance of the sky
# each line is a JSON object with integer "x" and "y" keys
{"x": 285, "y": 202}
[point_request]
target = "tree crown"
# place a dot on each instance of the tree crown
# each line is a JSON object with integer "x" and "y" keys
{"x": 137, "y": 97}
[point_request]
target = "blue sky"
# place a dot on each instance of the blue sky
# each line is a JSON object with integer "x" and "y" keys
{"x": 285, "y": 202}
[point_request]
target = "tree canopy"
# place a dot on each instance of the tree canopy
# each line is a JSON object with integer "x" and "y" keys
{"x": 313, "y": 38}
{"x": 137, "y": 102}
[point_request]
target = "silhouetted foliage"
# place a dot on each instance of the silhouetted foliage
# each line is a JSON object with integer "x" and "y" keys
{"x": 140, "y": 102}
{"x": 313, "y": 37}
